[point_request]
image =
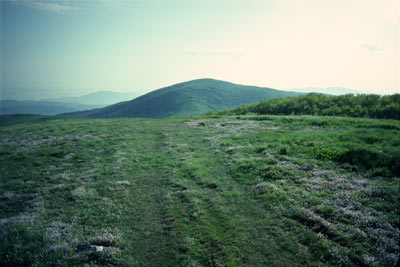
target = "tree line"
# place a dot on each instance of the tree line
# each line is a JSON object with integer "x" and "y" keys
{"x": 371, "y": 106}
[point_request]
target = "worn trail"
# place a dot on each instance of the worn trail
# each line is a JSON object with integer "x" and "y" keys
{"x": 195, "y": 192}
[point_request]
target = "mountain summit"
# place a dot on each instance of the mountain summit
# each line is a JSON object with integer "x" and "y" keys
{"x": 186, "y": 99}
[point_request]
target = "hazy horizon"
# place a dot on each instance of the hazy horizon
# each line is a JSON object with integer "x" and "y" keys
{"x": 71, "y": 48}
{"x": 22, "y": 94}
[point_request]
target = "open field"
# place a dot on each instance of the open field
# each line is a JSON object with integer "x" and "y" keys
{"x": 201, "y": 191}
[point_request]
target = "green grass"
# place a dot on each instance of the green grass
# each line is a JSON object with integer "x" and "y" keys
{"x": 204, "y": 191}
{"x": 6, "y": 120}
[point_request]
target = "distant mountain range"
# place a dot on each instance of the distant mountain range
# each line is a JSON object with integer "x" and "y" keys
{"x": 329, "y": 90}
{"x": 41, "y": 107}
{"x": 183, "y": 99}
{"x": 186, "y": 99}
{"x": 64, "y": 105}
{"x": 100, "y": 98}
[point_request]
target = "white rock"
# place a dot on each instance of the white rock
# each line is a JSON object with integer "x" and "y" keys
{"x": 99, "y": 248}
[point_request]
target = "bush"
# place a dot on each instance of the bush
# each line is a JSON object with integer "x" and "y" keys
{"x": 382, "y": 164}
{"x": 274, "y": 172}
{"x": 361, "y": 157}
{"x": 385, "y": 172}
{"x": 372, "y": 106}
{"x": 284, "y": 150}
{"x": 328, "y": 153}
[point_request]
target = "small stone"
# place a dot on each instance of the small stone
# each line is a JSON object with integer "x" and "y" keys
{"x": 98, "y": 248}
{"x": 123, "y": 182}
{"x": 69, "y": 156}
{"x": 262, "y": 187}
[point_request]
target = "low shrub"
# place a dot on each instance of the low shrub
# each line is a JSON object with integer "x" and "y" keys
{"x": 384, "y": 172}
{"x": 381, "y": 163}
{"x": 284, "y": 150}
{"x": 274, "y": 172}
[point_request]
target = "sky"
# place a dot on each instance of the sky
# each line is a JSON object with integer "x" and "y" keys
{"x": 55, "y": 48}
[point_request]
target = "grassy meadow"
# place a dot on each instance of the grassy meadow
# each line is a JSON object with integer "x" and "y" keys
{"x": 201, "y": 191}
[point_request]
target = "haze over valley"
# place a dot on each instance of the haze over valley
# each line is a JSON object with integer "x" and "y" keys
{"x": 54, "y": 106}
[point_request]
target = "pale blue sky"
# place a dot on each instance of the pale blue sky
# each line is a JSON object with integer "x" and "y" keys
{"x": 74, "y": 47}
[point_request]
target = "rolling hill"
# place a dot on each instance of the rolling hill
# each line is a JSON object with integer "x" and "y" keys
{"x": 186, "y": 99}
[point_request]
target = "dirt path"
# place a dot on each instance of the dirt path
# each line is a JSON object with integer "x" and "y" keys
{"x": 148, "y": 174}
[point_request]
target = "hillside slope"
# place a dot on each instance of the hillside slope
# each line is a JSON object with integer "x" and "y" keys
{"x": 185, "y": 99}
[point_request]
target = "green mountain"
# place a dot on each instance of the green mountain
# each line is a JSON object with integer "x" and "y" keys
{"x": 103, "y": 98}
{"x": 186, "y": 99}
